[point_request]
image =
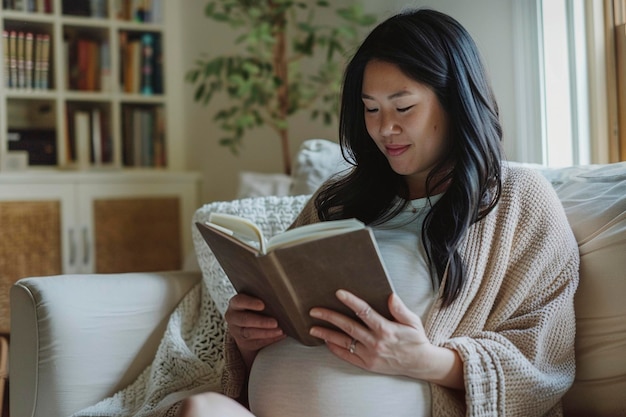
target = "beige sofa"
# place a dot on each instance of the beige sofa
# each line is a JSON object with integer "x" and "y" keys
{"x": 77, "y": 339}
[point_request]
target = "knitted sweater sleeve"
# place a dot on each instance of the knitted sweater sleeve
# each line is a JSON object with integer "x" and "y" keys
{"x": 513, "y": 325}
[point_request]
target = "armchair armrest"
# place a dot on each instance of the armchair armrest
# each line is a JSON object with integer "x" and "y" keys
{"x": 76, "y": 339}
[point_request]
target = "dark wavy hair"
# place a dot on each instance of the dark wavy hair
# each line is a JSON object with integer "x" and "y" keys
{"x": 433, "y": 49}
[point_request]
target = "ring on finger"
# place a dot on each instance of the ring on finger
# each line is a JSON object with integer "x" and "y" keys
{"x": 364, "y": 313}
{"x": 352, "y": 347}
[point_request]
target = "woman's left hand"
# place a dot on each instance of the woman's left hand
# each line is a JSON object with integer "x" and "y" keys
{"x": 388, "y": 347}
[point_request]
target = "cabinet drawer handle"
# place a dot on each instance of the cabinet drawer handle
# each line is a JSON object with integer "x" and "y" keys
{"x": 72, "y": 247}
{"x": 86, "y": 245}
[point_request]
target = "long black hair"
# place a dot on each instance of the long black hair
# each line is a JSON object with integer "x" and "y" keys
{"x": 433, "y": 49}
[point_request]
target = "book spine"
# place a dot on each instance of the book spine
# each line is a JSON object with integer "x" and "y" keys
{"x": 299, "y": 326}
{"x": 146, "y": 138}
{"x": 21, "y": 65}
{"x": 93, "y": 66}
{"x": 7, "y": 58}
{"x": 105, "y": 66}
{"x": 96, "y": 136}
{"x": 123, "y": 59}
{"x": 13, "y": 58}
{"x": 70, "y": 142}
{"x": 38, "y": 61}
{"x": 45, "y": 61}
{"x": 160, "y": 158}
{"x": 82, "y": 60}
{"x": 157, "y": 72}
{"x": 29, "y": 60}
{"x": 97, "y": 8}
{"x": 156, "y": 12}
{"x": 106, "y": 143}
{"x": 147, "y": 63}
{"x": 137, "y": 117}
{"x": 127, "y": 137}
{"x": 135, "y": 66}
{"x": 82, "y": 137}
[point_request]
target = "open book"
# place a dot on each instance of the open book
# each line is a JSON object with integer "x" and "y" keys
{"x": 301, "y": 268}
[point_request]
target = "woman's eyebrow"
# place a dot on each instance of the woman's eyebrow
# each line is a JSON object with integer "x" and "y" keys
{"x": 389, "y": 97}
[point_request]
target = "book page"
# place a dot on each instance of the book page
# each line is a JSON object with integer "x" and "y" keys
{"x": 313, "y": 231}
{"x": 239, "y": 227}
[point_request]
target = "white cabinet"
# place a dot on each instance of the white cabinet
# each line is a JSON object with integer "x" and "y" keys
{"x": 57, "y": 222}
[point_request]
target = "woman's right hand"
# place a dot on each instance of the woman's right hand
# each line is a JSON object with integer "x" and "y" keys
{"x": 251, "y": 329}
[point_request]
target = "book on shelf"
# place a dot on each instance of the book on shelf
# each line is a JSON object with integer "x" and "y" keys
{"x": 147, "y": 63}
{"x": 26, "y": 57}
{"x": 143, "y": 136}
{"x": 301, "y": 268}
{"x": 82, "y": 137}
{"x": 88, "y": 138}
{"x": 142, "y": 11}
{"x": 13, "y": 5}
{"x": 85, "y": 8}
{"x": 85, "y": 60}
{"x": 21, "y": 64}
{"x": 6, "y": 58}
{"x": 42, "y": 63}
{"x": 105, "y": 66}
{"x": 32, "y": 6}
{"x": 40, "y": 143}
{"x": 140, "y": 63}
{"x": 13, "y": 58}
{"x": 96, "y": 137}
{"x": 29, "y": 65}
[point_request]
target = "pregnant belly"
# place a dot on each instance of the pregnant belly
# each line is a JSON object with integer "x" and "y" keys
{"x": 289, "y": 379}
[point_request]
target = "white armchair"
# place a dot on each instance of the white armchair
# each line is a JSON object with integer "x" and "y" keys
{"x": 78, "y": 339}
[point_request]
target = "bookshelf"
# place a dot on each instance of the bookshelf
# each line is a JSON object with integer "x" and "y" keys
{"x": 93, "y": 154}
{"x": 84, "y": 85}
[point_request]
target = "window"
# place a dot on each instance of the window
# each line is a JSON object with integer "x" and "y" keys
{"x": 553, "y": 88}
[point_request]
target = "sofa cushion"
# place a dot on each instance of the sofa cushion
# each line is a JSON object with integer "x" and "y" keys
{"x": 594, "y": 199}
{"x": 316, "y": 161}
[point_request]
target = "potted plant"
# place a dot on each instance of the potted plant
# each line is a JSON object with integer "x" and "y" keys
{"x": 287, "y": 62}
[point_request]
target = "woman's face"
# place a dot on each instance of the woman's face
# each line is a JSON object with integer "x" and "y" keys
{"x": 407, "y": 122}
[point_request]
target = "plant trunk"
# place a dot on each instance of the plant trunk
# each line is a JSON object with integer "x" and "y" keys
{"x": 281, "y": 71}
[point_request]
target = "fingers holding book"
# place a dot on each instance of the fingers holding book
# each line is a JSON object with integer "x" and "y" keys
{"x": 251, "y": 329}
{"x": 369, "y": 340}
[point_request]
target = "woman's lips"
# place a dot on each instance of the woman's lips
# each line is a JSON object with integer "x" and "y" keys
{"x": 395, "y": 150}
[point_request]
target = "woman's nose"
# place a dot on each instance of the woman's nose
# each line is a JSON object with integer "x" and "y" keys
{"x": 388, "y": 126}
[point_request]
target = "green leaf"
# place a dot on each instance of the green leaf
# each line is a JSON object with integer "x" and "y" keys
{"x": 192, "y": 76}
{"x": 220, "y": 17}
{"x": 305, "y": 27}
{"x": 209, "y": 9}
{"x": 199, "y": 92}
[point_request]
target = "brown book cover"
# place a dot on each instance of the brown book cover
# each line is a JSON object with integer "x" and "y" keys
{"x": 296, "y": 277}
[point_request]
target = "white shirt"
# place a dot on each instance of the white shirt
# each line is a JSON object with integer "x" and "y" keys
{"x": 290, "y": 379}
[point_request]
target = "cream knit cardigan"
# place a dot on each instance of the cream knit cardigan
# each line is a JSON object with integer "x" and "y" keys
{"x": 513, "y": 322}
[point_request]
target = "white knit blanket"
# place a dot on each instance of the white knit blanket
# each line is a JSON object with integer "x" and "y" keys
{"x": 190, "y": 358}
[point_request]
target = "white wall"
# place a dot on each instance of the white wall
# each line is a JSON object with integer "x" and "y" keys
{"x": 489, "y": 21}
